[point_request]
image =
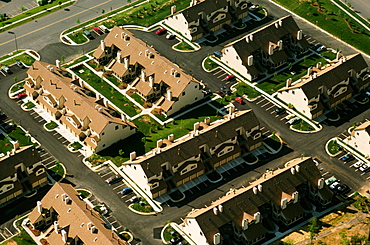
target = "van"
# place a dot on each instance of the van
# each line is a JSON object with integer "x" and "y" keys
{"x": 88, "y": 34}
{"x": 104, "y": 28}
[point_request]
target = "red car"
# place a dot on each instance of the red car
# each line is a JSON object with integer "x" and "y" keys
{"x": 161, "y": 31}
{"x": 21, "y": 95}
{"x": 98, "y": 31}
{"x": 230, "y": 77}
{"x": 239, "y": 100}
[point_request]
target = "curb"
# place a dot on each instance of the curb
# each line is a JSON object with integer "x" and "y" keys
{"x": 82, "y": 189}
{"x": 137, "y": 212}
{"x": 49, "y": 130}
{"x": 327, "y": 151}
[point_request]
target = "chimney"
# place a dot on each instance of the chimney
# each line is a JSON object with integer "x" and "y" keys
{"x": 292, "y": 170}
{"x": 339, "y": 54}
{"x": 122, "y": 34}
{"x": 64, "y": 236}
{"x": 250, "y": 60}
{"x": 102, "y": 45}
{"x": 271, "y": 49}
{"x": 119, "y": 55}
{"x": 57, "y": 63}
{"x": 255, "y": 190}
{"x": 309, "y": 71}
{"x": 56, "y": 227}
{"x": 67, "y": 199}
{"x": 172, "y": 71}
{"x": 143, "y": 75}
{"x": 150, "y": 55}
{"x": 39, "y": 207}
{"x": 175, "y": 73}
{"x": 16, "y": 145}
{"x": 93, "y": 228}
{"x": 215, "y": 210}
{"x": 159, "y": 143}
{"x": 169, "y": 95}
{"x": 207, "y": 120}
{"x": 126, "y": 37}
{"x": 297, "y": 168}
{"x": 276, "y": 25}
{"x": 245, "y": 224}
{"x": 220, "y": 208}
{"x": 89, "y": 225}
{"x": 151, "y": 81}
{"x": 295, "y": 196}
{"x": 171, "y": 137}
{"x": 259, "y": 188}
{"x": 280, "y": 23}
{"x": 132, "y": 155}
{"x": 231, "y": 109}
{"x": 318, "y": 65}
{"x": 288, "y": 82}
{"x": 257, "y": 217}
{"x": 125, "y": 60}
{"x": 173, "y": 9}
{"x": 52, "y": 69}
{"x": 178, "y": 151}
{"x": 280, "y": 44}
{"x": 299, "y": 35}
{"x": 321, "y": 183}
{"x": 196, "y": 126}
{"x": 146, "y": 52}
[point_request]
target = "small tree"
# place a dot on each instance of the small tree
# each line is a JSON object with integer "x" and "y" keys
{"x": 313, "y": 228}
{"x": 78, "y": 20}
{"x": 121, "y": 152}
{"x": 60, "y": 4}
{"x": 23, "y": 8}
{"x": 62, "y": 59}
{"x": 15, "y": 79}
{"x": 102, "y": 11}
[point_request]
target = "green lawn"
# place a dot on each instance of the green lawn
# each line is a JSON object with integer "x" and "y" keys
{"x": 29, "y": 105}
{"x": 184, "y": 46}
{"x": 142, "y": 206}
{"x": 76, "y": 61}
{"x": 84, "y": 193}
{"x": 22, "y": 238}
{"x": 330, "y": 18}
{"x": 10, "y": 55}
{"x": 209, "y": 64}
{"x": 51, "y": 125}
{"x": 114, "y": 96}
{"x": 243, "y": 88}
{"x": 278, "y": 81}
{"x": 19, "y": 135}
{"x": 77, "y": 37}
{"x": 5, "y": 145}
{"x": 32, "y": 12}
{"x": 328, "y": 54}
{"x": 17, "y": 87}
{"x": 167, "y": 233}
{"x": 138, "y": 98}
{"x": 25, "y": 58}
{"x": 303, "y": 126}
{"x": 76, "y": 146}
{"x": 57, "y": 172}
{"x": 333, "y": 147}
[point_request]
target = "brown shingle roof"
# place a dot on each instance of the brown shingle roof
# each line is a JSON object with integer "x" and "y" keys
{"x": 77, "y": 101}
{"x": 158, "y": 66}
{"x": 72, "y": 216}
{"x": 238, "y": 202}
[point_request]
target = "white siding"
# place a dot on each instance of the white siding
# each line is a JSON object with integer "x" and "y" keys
{"x": 192, "y": 91}
{"x": 297, "y": 98}
{"x": 111, "y": 135}
{"x": 136, "y": 172}
{"x": 361, "y": 142}
{"x": 193, "y": 230}
{"x": 229, "y": 57}
{"x": 179, "y": 23}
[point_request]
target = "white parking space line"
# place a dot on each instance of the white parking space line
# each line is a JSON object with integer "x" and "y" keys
{"x": 32, "y": 113}
{"x": 270, "y": 108}
{"x": 55, "y": 133}
{"x": 120, "y": 186}
{"x": 265, "y": 104}
{"x": 281, "y": 118}
{"x": 221, "y": 75}
{"x": 262, "y": 128}
{"x": 363, "y": 174}
{"x": 113, "y": 222}
{"x": 118, "y": 227}
{"x": 43, "y": 154}
{"x": 368, "y": 177}
{"x": 60, "y": 137}
{"x": 266, "y": 132}
{"x": 260, "y": 101}
{"x": 64, "y": 141}
{"x": 6, "y": 228}
{"x": 106, "y": 174}
{"x": 325, "y": 173}
{"x": 41, "y": 120}
{"x": 218, "y": 72}
{"x": 46, "y": 159}
{"x": 3, "y": 236}
{"x": 345, "y": 136}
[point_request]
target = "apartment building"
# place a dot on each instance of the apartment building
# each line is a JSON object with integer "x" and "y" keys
{"x": 266, "y": 48}
{"x": 21, "y": 173}
{"x": 152, "y": 76}
{"x": 209, "y": 146}
{"x": 278, "y": 199}
{"x": 63, "y": 218}
{"x": 206, "y": 16}
{"x": 87, "y": 115}
{"x": 360, "y": 138}
{"x": 324, "y": 87}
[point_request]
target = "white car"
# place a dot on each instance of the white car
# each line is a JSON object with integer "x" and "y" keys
{"x": 321, "y": 48}
{"x": 358, "y": 164}
{"x": 294, "y": 120}
{"x": 170, "y": 36}
{"x": 364, "y": 168}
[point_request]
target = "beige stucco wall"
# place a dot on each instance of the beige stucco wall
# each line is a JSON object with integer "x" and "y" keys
{"x": 232, "y": 59}
{"x": 361, "y": 142}
{"x": 192, "y": 229}
{"x": 111, "y": 135}
{"x": 296, "y": 99}
{"x": 137, "y": 174}
{"x": 179, "y": 23}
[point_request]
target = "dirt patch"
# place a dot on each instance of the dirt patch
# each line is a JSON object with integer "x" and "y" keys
{"x": 318, "y": 6}
{"x": 12, "y": 242}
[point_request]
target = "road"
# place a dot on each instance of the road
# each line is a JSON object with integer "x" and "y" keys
{"x": 45, "y": 38}
{"x": 361, "y": 7}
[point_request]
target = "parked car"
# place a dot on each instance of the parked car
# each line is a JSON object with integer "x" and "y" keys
{"x": 98, "y": 31}
{"x": 347, "y": 158}
{"x": 6, "y": 69}
{"x": 20, "y": 64}
{"x": 321, "y": 48}
{"x": 358, "y": 164}
{"x": 226, "y": 90}
{"x": 230, "y": 77}
{"x": 176, "y": 240}
{"x": 2, "y": 115}
{"x": 88, "y": 34}
{"x": 170, "y": 36}
{"x": 207, "y": 92}
{"x": 161, "y": 31}
{"x": 134, "y": 199}
{"x": 104, "y": 29}
{"x": 218, "y": 54}
{"x": 364, "y": 168}
{"x": 331, "y": 180}
{"x": 113, "y": 179}
{"x": 279, "y": 110}
{"x": 220, "y": 93}
{"x": 294, "y": 120}
{"x": 334, "y": 185}
{"x": 239, "y": 100}
{"x": 21, "y": 95}
{"x": 126, "y": 191}
{"x": 343, "y": 189}
{"x": 228, "y": 28}
{"x": 7, "y": 128}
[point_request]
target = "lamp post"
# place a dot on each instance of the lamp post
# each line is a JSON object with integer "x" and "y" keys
{"x": 15, "y": 39}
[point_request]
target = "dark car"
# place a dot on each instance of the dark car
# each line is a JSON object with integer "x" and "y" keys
{"x": 343, "y": 189}
{"x": 230, "y": 77}
{"x": 218, "y": 54}
{"x": 113, "y": 179}
{"x": 280, "y": 110}
{"x": 126, "y": 191}
{"x": 347, "y": 158}
{"x": 175, "y": 240}
{"x": 7, "y": 128}
{"x": 228, "y": 28}
{"x": 220, "y": 93}
{"x": 20, "y": 64}
{"x": 161, "y": 31}
{"x": 2, "y": 115}
{"x": 88, "y": 34}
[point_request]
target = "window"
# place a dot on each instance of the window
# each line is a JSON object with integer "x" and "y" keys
{"x": 103, "y": 145}
{"x": 102, "y": 133}
{"x": 192, "y": 167}
{"x": 196, "y": 98}
{"x": 116, "y": 128}
{"x": 196, "y": 86}
{"x": 40, "y": 171}
{"x": 183, "y": 93}
{"x": 9, "y": 187}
